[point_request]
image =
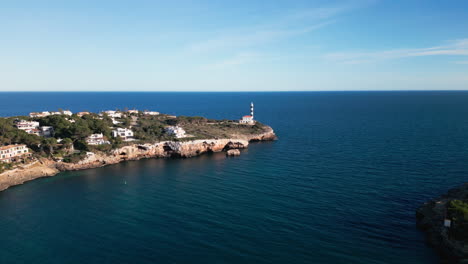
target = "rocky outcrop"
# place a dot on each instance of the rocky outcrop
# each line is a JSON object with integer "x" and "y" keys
{"x": 430, "y": 218}
{"x": 38, "y": 169}
{"x": 233, "y": 152}
{"x": 167, "y": 149}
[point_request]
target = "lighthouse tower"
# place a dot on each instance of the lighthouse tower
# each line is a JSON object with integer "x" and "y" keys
{"x": 248, "y": 119}
{"x": 252, "y": 110}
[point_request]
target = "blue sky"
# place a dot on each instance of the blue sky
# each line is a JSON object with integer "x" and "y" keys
{"x": 233, "y": 45}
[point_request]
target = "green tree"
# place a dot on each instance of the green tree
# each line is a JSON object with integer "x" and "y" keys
{"x": 49, "y": 144}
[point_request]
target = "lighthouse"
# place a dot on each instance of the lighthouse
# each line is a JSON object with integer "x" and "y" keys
{"x": 252, "y": 110}
{"x": 248, "y": 119}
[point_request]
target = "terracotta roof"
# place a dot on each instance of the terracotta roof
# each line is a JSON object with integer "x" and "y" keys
{"x": 247, "y": 116}
{"x": 11, "y": 146}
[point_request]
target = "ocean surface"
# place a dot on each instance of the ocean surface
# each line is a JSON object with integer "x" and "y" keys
{"x": 341, "y": 185}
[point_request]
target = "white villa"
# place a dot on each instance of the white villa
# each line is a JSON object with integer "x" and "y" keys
{"x": 132, "y": 111}
{"x": 32, "y": 127}
{"x": 176, "y": 131}
{"x": 46, "y": 131}
{"x": 80, "y": 114}
{"x": 39, "y": 114}
{"x": 113, "y": 114}
{"x": 125, "y": 133}
{"x": 47, "y": 113}
{"x": 13, "y": 152}
{"x": 152, "y": 113}
{"x": 115, "y": 122}
{"x": 26, "y": 125}
{"x": 96, "y": 139}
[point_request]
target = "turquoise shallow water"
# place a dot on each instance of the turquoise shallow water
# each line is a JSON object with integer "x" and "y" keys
{"x": 340, "y": 186}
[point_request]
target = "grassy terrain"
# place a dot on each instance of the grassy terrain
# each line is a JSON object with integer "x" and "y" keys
{"x": 458, "y": 212}
{"x": 71, "y": 132}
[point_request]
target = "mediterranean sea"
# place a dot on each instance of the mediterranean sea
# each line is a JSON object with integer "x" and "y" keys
{"x": 341, "y": 185}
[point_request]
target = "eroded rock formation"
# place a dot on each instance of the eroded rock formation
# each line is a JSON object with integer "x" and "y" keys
{"x": 167, "y": 149}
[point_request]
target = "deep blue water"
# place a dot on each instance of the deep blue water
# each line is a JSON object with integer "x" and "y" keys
{"x": 340, "y": 186}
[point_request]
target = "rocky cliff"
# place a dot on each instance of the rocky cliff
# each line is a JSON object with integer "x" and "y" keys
{"x": 430, "y": 218}
{"x": 167, "y": 149}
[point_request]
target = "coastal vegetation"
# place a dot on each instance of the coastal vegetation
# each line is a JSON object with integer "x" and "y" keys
{"x": 457, "y": 211}
{"x": 444, "y": 221}
{"x": 70, "y": 139}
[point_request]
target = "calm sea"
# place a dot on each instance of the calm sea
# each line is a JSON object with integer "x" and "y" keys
{"x": 340, "y": 186}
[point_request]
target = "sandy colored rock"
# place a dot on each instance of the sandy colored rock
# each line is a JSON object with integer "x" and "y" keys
{"x": 233, "y": 152}
{"x": 166, "y": 149}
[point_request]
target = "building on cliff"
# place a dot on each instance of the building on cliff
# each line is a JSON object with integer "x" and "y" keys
{"x": 176, "y": 131}
{"x": 12, "y": 153}
{"x": 125, "y": 133}
{"x": 96, "y": 139}
{"x": 46, "y": 131}
{"x": 80, "y": 114}
{"x": 32, "y": 127}
{"x": 47, "y": 113}
{"x": 39, "y": 114}
{"x": 26, "y": 125}
{"x": 248, "y": 119}
{"x": 112, "y": 114}
{"x": 152, "y": 113}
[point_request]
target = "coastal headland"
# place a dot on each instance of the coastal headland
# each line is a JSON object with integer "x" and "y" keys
{"x": 444, "y": 221}
{"x": 87, "y": 140}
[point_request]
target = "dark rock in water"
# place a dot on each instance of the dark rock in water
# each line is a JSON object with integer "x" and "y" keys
{"x": 233, "y": 152}
{"x": 450, "y": 242}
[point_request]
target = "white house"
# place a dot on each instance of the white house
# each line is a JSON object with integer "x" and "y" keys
{"x": 39, "y": 114}
{"x": 113, "y": 114}
{"x": 67, "y": 112}
{"x": 80, "y": 114}
{"x": 96, "y": 139}
{"x": 176, "y": 131}
{"x": 26, "y": 125}
{"x": 46, "y": 131}
{"x": 152, "y": 113}
{"x": 30, "y": 127}
{"x": 115, "y": 122}
{"x": 248, "y": 119}
{"x": 132, "y": 111}
{"x": 125, "y": 133}
{"x": 13, "y": 152}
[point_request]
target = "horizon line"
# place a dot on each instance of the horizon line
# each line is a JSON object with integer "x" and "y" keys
{"x": 257, "y": 91}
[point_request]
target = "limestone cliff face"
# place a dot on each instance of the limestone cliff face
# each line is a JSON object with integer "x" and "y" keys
{"x": 165, "y": 149}
{"x": 33, "y": 171}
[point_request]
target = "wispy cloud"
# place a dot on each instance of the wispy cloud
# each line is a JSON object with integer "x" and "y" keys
{"x": 245, "y": 45}
{"x": 237, "y": 59}
{"x": 289, "y": 24}
{"x": 252, "y": 39}
{"x": 454, "y": 48}
{"x": 240, "y": 59}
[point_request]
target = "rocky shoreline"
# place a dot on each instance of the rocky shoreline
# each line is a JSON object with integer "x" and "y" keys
{"x": 430, "y": 219}
{"x": 166, "y": 149}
